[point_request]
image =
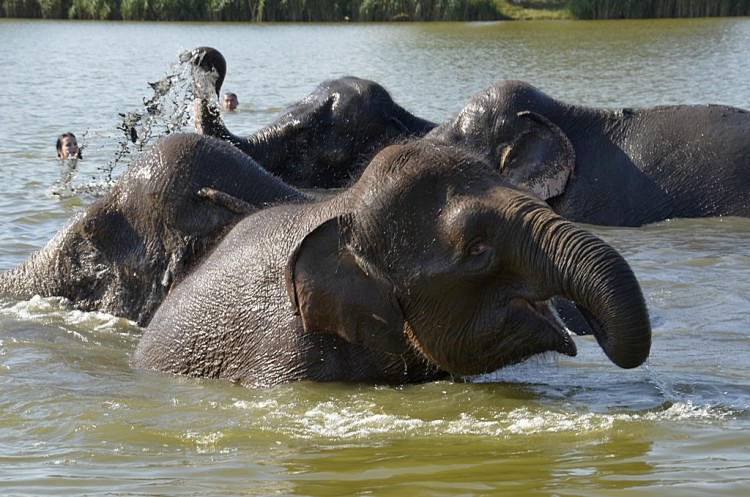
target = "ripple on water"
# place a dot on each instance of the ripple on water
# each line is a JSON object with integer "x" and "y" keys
{"x": 467, "y": 411}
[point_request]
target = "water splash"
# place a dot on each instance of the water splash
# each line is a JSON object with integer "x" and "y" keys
{"x": 699, "y": 399}
{"x": 60, "y": 310}
{"x": 68, "y": 172}
{"x": 661, "y": 384}
{"x": 169, "y": 110}
{"x": 354, "y": 419}
{"x": 462, "y": 411}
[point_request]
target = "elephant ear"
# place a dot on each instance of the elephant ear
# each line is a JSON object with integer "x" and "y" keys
{"x": 540, "y": 158}
{"x": 206, "y": 213}
{"x": 332, "y": 294}
{"x": 110, "y": 232}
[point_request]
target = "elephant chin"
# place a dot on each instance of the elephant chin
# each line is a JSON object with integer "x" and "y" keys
{"x": 528, "y": 328}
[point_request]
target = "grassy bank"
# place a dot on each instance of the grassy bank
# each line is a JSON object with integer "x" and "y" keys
{"x": 366, "y": 10}
{"x": 534, "y": 9}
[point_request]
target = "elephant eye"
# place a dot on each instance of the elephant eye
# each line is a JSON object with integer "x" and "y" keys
{"x": 469, "y": 228}
{"x": 478, "y": 256}
{"x": 478, "y": 252}
{"x": 478, "y": 247}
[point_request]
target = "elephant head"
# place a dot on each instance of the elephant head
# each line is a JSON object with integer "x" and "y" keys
{"x": 528, "y": 149}
{"x": 441, "y": 255}
{"x": 125, "y": 251}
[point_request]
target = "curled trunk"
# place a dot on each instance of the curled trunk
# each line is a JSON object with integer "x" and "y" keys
{"x": 579, "y": 266}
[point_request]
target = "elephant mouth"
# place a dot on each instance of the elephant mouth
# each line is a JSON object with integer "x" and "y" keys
{"x": 552, "y": 328}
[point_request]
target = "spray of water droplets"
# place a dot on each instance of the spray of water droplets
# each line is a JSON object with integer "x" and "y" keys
{"x": 169, "y": 110}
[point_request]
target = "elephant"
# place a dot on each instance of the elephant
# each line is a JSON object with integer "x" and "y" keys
{"x": 322, "y": 141}
{"x": 625, "y": 167}
{"x": 430, "y": 266}
{"x": 125, "y": 251}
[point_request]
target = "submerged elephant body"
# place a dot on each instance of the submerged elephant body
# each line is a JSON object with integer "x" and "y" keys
{"x": 625, "y": 167}
{"x": 325, "y": 139}
{"x": 429, "y": 265}
{"x": 124, "y": 252}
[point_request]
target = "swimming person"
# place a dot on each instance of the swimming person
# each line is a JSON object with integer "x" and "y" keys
{"x": 230, "y": 102}
{"x": 67, "y": 147}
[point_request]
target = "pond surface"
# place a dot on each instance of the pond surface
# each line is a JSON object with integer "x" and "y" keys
{"x": 76, "y": 420}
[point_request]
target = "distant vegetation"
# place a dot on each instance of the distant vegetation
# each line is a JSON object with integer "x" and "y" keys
{"x": 255, "y": 10}
{"x": 645, "y": 9}
{"x": 366, "y": 10}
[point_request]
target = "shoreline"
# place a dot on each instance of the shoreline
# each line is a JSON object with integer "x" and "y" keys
{"x": 361, "y": 11}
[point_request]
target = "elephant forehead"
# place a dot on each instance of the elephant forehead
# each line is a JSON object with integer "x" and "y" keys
{"x": 467, "y": 213}
{"x": 156, "y": 176}
{"x": 409, "y": 186}
{"x": 459, "y": 209}
{"x": 425, "y": 237}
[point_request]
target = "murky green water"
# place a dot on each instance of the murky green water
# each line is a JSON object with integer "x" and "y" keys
{"x": 75, "y": 420}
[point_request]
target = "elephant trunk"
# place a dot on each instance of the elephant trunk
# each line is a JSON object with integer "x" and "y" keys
{"x": 208, "y": 78}
{"x": 43, "y": 273}
{"x": 579, "y": 266}
{"x": 211, "y": 62}
{"x": 412, "y": 125}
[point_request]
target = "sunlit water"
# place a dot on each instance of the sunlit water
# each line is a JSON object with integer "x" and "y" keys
{"x": 76, "y": 420}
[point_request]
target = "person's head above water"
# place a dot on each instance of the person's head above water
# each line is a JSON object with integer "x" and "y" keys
{"x": 230, "y": 101}
{"x": 67, "y": 146}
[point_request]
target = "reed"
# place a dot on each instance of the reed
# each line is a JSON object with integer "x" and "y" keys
{"x": 646, "y": 9}
{"x": 361, "y": 10}
{"x": 255, "y": 10}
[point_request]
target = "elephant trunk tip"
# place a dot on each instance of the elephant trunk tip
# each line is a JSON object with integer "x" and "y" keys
{"x": 627, "y": 340}
{"x": 211, "y": 61}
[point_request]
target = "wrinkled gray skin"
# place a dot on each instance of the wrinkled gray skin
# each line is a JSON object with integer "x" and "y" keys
{"x": 325, "y": 139}
{"x": 124, "y": 252}
{"x": 626, "y": 167}
{"x": 429, "y": 265}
